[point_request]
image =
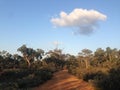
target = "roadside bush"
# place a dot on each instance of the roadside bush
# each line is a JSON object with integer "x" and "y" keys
{"x": 13, "y": 75}
{"x": 23, "y": 79}
{"x": 111, "y": 81}
{"x": 94, "y": 76}
{"x": 8, "y": 86}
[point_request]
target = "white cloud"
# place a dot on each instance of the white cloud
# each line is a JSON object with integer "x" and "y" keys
{"x": 85, "y": 21}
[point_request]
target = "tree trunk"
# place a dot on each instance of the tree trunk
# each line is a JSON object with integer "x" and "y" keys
{"x": 110, "y": 57}
{"x": 86, "y": 63}
{"x": 28, "y": 61}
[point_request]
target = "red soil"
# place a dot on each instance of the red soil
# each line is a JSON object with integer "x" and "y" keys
{"x": 64, "y": 81}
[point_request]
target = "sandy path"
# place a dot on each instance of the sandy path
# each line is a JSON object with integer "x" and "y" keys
{"x": 64, "y": 81}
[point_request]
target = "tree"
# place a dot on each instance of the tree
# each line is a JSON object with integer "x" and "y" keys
{"x": 7, "y": 60}
{"x": 99, "y": 56}
{"x": 86, "y": 53}
{"x": 109, "y": 53}
{"x": 29, "y": 54}
{"x": 80, "y": 58}
{"x": 56, "y": 53}
{"x": 5, "y": 54}
{"x": 39, "y": 54}
{"x": 57, "y": 57}
{"x": 118, "y": 54}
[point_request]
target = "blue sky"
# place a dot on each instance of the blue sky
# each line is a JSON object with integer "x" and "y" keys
{"x": 29, "y": 22}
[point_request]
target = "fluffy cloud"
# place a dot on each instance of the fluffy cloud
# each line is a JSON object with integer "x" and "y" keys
{"x": 85, "y": 21}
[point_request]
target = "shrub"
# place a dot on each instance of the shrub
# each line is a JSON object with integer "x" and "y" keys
{"x": 36, "y": 78}
{"x": 111, "y": 81}
{"x": 23, "y": 79}
{"x": 8, "y": 86}
{"x": 94, "y": 76}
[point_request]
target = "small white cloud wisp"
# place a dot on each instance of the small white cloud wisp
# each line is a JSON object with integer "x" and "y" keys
{"x": 85, "y": 21}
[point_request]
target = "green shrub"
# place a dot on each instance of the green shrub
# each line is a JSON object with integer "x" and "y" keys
{"x": 111, "y": 81}
{"x": 94, "y": 76}
{"x": 36, "y": 78}
{"x": 24, "y": 79}
{"x": 8, "y": 86}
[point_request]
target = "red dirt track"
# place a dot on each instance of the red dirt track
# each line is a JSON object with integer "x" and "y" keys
{"x": 62, "y": 80}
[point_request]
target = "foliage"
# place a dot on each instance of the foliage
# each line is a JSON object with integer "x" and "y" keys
{"x": 101, "y": 68}
{"x": 29, "y": 54}
{"x": 24, "y": 78}
{"x": 103, "y": 71}
{"x": 28, "y": 70}
{"x": 94, "y": 76}
{"x": 111, "y": 81}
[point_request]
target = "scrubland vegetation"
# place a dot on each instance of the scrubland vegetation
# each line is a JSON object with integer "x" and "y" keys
{"x": 29, "y": 70}
{"x": 100, "y": 68}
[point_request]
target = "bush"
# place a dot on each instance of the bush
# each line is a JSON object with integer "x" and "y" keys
{"x": 23, "y": 79}
{"x": 111, "y": 81}
{"x": 36, "y": 78}
{"x": 13, "y": 75}
{"x": 94, "y": 76}
{"x": 43, "y": 74}
{"x": 8, "y": 86}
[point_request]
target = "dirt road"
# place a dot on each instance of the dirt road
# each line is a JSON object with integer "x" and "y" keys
{"x": 64, "y": 81}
